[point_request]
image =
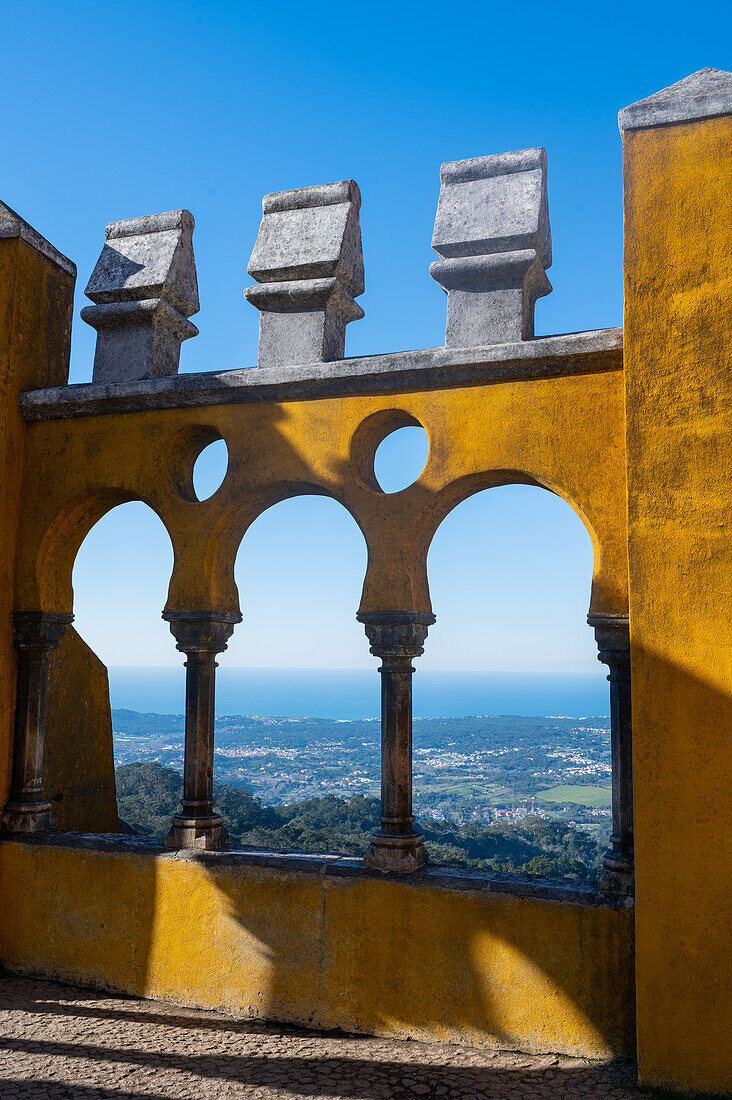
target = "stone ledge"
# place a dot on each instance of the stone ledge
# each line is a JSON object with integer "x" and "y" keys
{"x": 702, "y": 95}
{"x": 12, "y": 225}
{"x": 431, "y": 877}
{"x": 431, "y": 368}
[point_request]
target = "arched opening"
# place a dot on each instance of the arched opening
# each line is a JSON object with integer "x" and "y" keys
{"x": 297, "y": 732}
{"x": 120, "y": 579}
{"x": 511, "y": 729}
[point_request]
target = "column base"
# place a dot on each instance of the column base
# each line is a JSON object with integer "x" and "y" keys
{"x": 203, "y": 834}
{"x": 401, "y": 855}
{"x": 24, "y": 818}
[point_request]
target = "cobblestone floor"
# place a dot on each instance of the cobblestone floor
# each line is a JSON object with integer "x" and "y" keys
{"x": 58, "y": 1041}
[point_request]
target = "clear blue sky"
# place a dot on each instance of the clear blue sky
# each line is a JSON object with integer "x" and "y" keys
{"x": 117, "y": 110}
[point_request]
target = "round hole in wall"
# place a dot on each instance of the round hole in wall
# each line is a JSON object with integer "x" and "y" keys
{"x": 209, "y": 469}
{"x": 400, "y": 459}
{"x": 196, "y": 460}
{"x": 389, "y": 451}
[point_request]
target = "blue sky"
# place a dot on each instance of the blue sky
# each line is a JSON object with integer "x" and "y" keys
{"x": 113, "y": 111}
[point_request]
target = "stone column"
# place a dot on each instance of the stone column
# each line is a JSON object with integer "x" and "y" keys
{"x": 613, "y": 642}
{"x": 396, "y": 637}
{"x": 36, "y": 635}
{"x": 201, "y": 635}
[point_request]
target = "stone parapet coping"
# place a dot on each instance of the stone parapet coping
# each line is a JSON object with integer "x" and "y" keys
{"x": 12, "y": 225}
{"x": 702, "y": 95}
{"x": 336, "y": 866}
{"x": 431, "y": 368}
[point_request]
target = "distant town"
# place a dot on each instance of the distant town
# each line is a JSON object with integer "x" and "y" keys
{"x": 475, "y": 779}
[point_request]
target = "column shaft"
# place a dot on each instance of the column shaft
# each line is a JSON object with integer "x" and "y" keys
{"x": 36, "y": 635}
{"x": 396, "y": 745}
{"x": 201, "y": 635}
{"x": 197, "y": 798}
{"x": 613, "y": 640}
{"x": 396, "y": 637}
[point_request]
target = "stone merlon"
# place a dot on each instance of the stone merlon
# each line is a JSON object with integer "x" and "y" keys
{"x": 308, "y": 261}
{"x": 492, "y": 234}
{"x": 144, "y": 287}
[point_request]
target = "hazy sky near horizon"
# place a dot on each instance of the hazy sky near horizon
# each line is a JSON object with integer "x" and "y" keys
{"x": 114, "y": 111}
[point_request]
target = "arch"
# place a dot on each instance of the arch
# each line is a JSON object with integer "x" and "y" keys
{"x": 52, "y": 567}
{"x": 321, "y": 565}
{"x": 608, "y": 592}
{"x": 503, "y": 564}
{"x": 517, "y": 604}
{"x": 204, "y": 569}
{"x": 79, "y": 752}
{"x": 120, "y": 579}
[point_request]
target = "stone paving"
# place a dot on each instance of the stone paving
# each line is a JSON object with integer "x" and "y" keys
{"x": 59, "y": 1042}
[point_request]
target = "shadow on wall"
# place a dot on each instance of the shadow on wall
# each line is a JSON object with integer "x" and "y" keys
{"x": 389, "y": 957}
{"x": 78, "y": 758}
{"x": 361, "y": 953}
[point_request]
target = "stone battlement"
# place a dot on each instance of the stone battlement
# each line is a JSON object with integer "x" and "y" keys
{"x": 631, "y": 428}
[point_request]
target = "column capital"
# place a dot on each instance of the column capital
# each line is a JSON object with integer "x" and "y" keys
{"x": 201, "y": 631}
{"x": 396, "y": 633}
{"x": 612, "y": 634}
{"x": 39, "y": 630}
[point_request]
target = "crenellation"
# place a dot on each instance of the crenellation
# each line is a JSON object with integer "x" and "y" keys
{"x": 629, "y": 427}
{"x": 308, "y": 262}
{"x": 492, "y": 234}
{"x": 144, "y": 288}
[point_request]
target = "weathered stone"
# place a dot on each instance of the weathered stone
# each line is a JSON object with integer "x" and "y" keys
{"x": 396, "y": 637}
{"x": 12, "y": 225}
{"x": 201, "y": 635}
{"x": 308, "y": 261}
{"x": 705, "y": 94}
{"x": 612, "y": 634}
{"x": 36, "y": 635}
{"x": 427, "y": 368}
{"x": 492, "y": 232}
{"x": 144, "y": 287}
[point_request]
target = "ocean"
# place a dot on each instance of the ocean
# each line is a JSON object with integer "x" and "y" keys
{"x": 349, "y": 694}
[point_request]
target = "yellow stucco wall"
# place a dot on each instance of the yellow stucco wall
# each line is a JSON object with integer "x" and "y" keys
{"x": 678, "y": 320}
{"x": 36, "y": 302}
{"x": 379, "y": 955}
{"x": 363, "y": 954}
{"x": 78, "y": 759}
{"x": 352, "y": 952}
{"x": 564, "y": 433}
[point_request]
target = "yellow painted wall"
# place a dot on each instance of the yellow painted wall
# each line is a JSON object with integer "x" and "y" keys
{"x": 36, "y": 301}
{"x": 359, "y": 953}
{"x": 389, "y": 956}
{"x": 678, "y": 364}
{"x": 565, "y": 433}
{"x": 380, "y": 956}
{"x": 78, "y": 759}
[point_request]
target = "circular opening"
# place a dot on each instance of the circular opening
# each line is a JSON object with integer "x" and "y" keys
{"x": 400, "y": 458}
{"x": 209, "y": 469}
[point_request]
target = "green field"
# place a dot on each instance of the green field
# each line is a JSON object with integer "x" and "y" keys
{"x": 594, "y": 797}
